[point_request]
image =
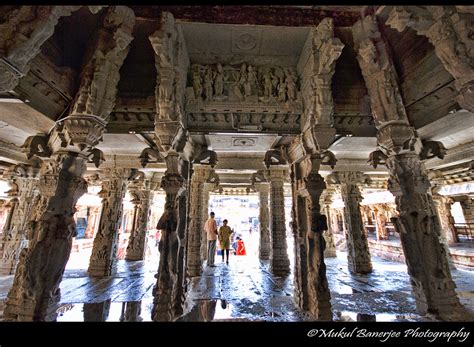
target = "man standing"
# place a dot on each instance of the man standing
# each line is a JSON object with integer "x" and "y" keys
{"x": 211, "y": 231}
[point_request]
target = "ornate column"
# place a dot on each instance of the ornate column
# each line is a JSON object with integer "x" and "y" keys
{"x": 103, "y": 261}
{"x": 443, "y": 206}
{"x": 449, "y": 29}
{"x": 140, "y": 192}
{"x": 91, "y": 223}
{"x": 35, "y": 291}
{"x": 358, "y": 255}
{"x": 380, "y": 222}
{"x": 23, "y": 199}
{"x": 265, "y": 238}
{"x": 96, "y": 312}
{"x": 204, "y": 216}
{"x": 279, "y": 261}
{"x": 330, "y": 250}
{"x": 172, "y": 182}
{"x": 196, "y": 237}
{"x": 171, "y": 61}
{"x": 399, "y": 149}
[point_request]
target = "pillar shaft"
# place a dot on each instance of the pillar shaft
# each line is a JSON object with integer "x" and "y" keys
{"x": 380, "y": 223}
{"x": 265, "y": 241}
{"x": 137, "y": 242}
{"x": 358, "y": 255}
{"x": 204, "y": 215}
{"x": 279, "y": 261}
{"x": 167, "y": 276}
{"x": 196, "y": 225}
{"x": 103, "y": 261}
{"x": 330, "y": 250}
{"x": 417, "y": 223}
{"x": 35, "y": 291}
{"x": 15, "y": 233}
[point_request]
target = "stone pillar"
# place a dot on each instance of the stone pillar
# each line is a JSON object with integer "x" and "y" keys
{"x": 103, "y": 261}
{"x": 449, "y": 30}
{"x": 35, "y": 292}
{"x": 179, "y": 292}
{"x": 131, "y": 311}
{"x": 265, "y": 240}
{"x": 380, "y": 223}
{"x": 96, "y": 312}
{"x": 204, "y": 216}
{"x": 467, "y": 205}
{"x": 279, "y": 261}
{"x": 196, "y": 236}
{"x": 330, "y": 250}
{"x": 358, "y": 255}
{"x": 400, "y": 150}
{"x": 167, "y": 276}
{"x": 24, "y": 198}
{"x": 311, "y": 286}
{"x": 140, "y": 192}
{"x": 92, "y": 222}
{"x": 443, "y": 207}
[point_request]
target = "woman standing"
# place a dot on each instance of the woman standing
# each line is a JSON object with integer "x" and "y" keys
{"x": 224, "y": 239}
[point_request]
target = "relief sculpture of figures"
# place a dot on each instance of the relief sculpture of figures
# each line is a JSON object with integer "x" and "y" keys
{"x": 247, "y": 82}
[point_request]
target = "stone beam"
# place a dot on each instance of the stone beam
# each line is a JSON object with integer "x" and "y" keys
{"x": 457, "y": 155}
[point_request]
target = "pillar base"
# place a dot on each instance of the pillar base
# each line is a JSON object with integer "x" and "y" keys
{"x": 99, "y": 271}
{"x": 24, "y": 310}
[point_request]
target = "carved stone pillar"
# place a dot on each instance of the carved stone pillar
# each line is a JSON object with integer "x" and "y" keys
{"x": 448, "y": 231}
{"x": 380, "y": 223}
{"x": 96, "y": 312}
{"x": 417, "y": 223}
{"x": 103, "y": 261}
{"x": 205, "y": 215}
{"x": 94, "y": 214}
{"x": 167, "y": 276}
{"x": 196, "y": 237}
{"x": 264, "y": 248}
{"x": 140, "y": 192}
{"x": 24, "y": 197}
{"x": 330, "y": 250}
{"x": 358, "y": 255}
{"x": 35, "y": 292}
{"x": 449, "y": 29}
{"x": 279, "y": 261}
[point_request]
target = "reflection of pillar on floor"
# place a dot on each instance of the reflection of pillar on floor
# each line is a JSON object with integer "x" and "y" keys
{"x": 103, "y": 260}
{"x": 279, "y": 261}
{"x": 264, "y": 242}
{"x": 140, "y": 192}
{"x": 96, "y": 312}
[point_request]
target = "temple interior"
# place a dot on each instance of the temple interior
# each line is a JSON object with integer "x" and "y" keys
{"x": 337, "y": 140}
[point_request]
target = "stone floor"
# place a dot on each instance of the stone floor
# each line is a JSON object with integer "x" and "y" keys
{"x": 245, "y": 290}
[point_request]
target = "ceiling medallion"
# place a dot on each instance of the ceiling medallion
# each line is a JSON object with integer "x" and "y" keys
{"x": 246, "y": 42}
{"x": 243, "y": 141}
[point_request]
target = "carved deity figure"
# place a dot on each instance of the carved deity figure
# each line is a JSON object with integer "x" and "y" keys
{"x": 197, "y": 85}
{"x": 282, "y": 91}
{"x": 250, "y": 82}
{"x": 267, "y": 83}
{"x": 208, "y": 84}
{"x": 219, "y": 78}
{"x": 290, "y": 85}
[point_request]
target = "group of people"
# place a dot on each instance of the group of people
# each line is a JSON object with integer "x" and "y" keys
{"x": 223, "y": 234}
